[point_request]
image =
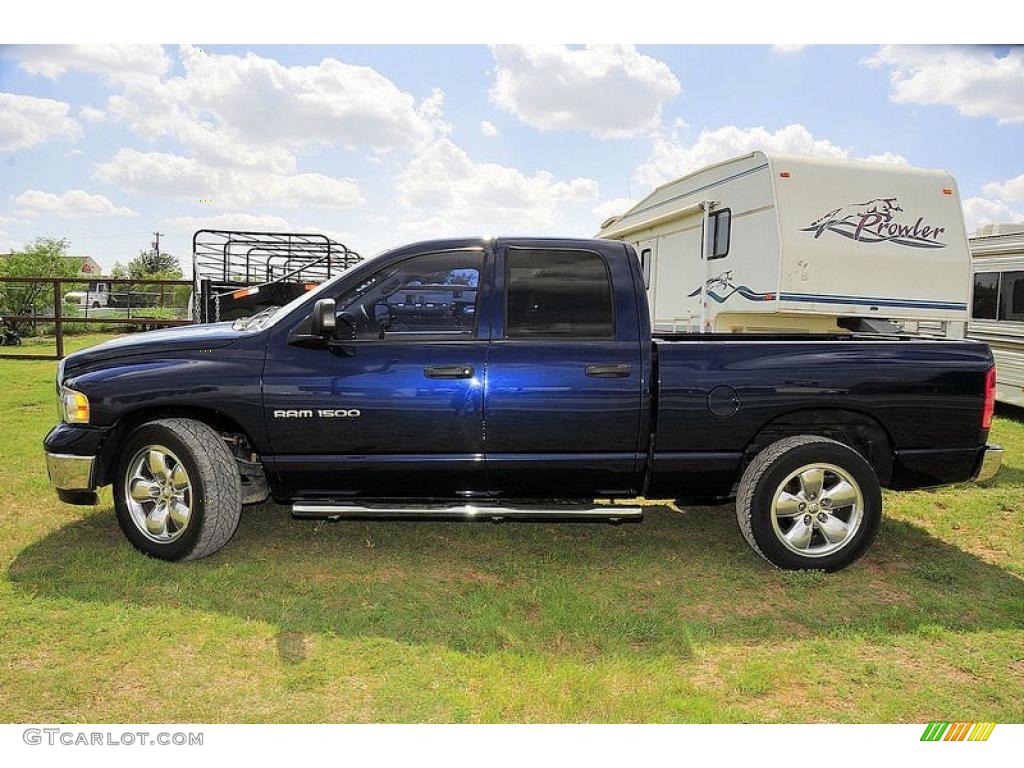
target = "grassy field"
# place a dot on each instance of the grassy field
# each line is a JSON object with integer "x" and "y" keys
{"x": 672, "y": 620}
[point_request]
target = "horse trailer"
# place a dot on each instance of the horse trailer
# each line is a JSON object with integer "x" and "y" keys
{"x": 238, "y": 274}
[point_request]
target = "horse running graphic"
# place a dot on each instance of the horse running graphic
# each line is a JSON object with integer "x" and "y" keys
{"x": 725, "y": 284}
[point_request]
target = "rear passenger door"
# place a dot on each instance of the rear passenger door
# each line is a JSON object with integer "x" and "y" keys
{"x": 564, "y": 376}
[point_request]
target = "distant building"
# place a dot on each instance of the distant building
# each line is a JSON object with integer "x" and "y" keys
{"x": 87, "y": 265}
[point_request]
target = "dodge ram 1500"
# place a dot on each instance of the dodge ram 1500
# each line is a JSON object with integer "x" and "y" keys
{"x": 506, "y": 379}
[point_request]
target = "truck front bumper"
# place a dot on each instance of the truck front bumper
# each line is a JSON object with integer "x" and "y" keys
{"x": 72, "y": 477}
{"x": 72, "y": 463}
{"x": 991, "y": 460}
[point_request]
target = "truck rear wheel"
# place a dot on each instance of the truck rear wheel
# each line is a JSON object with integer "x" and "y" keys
{"x": 177, "y": 490}
{"x": 809, "y": 503}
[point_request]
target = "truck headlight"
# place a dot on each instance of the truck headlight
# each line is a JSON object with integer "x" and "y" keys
{"x": 74, "y": 406}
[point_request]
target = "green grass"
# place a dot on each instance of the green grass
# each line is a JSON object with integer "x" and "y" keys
{"x": 671, "y": 620}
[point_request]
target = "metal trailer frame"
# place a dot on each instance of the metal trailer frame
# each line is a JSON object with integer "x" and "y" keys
{"x": 233, "y": 265}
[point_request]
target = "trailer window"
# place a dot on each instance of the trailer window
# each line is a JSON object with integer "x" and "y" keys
{"x": 1012, "y": 296}
{"x": 718, "y": 240}
{"x": 558, "y": 294}
{"x": 984, "y": 302}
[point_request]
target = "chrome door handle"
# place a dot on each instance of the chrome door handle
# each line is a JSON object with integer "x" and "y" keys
{"x": 448, "y": 371}
{"x": 609, "y": 370}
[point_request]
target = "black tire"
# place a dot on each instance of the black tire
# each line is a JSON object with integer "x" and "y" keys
{"x": 763, "y": 479}
{"x": 216, "y": 495}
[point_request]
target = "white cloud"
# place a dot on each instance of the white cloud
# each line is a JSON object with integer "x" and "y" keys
{"x": 787, "y": 49}
{"x": 977, "y": 81}
{"x": 1007, "y": 190}
{"x": 187, "y": 178}
{"x": 91, "y": 114}
{"x": 453, "y": 194}
{"x": 112, "y": 61}
{"x": 243, "y": 221}
{"x": 979, "y": 211}
{"x": 1001, "y": 203}
{"x": 890, "y": 158}
{"x": 249, "y": 222}
{"x": 73, "y": 204}
{"x": 254, "y": 111}
{"x": 614, "y": 207}
{"x": 672, "y": 158}
{"x": 608, "y": 91}
{"x": 26, "y": 121}
{"x": 487, "y": 128}
{"x": 6, "y": 244}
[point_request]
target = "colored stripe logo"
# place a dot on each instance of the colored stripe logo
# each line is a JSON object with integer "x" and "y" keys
{"x": 957, "y": 731}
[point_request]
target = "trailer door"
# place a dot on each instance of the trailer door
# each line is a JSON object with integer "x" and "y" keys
{"x": 647, "y": 252}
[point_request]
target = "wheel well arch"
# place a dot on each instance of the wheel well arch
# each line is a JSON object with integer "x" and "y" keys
{"x": 110, "y": 453}
{"x": 859, "y": 430}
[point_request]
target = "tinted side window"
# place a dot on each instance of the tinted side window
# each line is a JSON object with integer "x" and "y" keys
{"x": 431, "y": 294}
{"x": 1012, "y": 296}
{"x": 558, "y": 294}
{"x": 984, "y": 302}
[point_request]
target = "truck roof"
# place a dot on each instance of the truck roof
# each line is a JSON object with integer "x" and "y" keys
{"x": 482, "y": 242}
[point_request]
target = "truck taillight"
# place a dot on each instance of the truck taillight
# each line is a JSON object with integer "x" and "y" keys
{"x": 990, "y": 399}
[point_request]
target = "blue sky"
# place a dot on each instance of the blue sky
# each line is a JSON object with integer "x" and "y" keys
{"x": 379, "y": 145}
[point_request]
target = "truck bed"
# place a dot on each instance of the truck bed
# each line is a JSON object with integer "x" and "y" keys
{"x": 923, "y": 395}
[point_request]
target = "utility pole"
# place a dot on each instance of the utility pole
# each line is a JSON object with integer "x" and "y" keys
{"x": 156, "y": 243}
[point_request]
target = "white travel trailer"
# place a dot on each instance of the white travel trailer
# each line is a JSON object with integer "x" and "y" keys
{"x": 801, "y": 244}
{"x": 997, "y": 304}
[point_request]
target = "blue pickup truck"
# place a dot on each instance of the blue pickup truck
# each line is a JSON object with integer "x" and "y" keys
{"x": 512, "y": 379}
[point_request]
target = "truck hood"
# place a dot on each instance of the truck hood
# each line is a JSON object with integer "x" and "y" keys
{"x": 210, "y": 336}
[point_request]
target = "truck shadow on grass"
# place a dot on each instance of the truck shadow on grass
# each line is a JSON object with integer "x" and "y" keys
{"x": 655, "y": 588}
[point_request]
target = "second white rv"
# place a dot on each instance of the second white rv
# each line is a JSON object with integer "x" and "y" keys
{"x": 771, "y": 242}
{"x": 997, "y": 304}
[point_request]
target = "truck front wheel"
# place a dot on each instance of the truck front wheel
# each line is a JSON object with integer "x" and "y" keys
{"x": 177, "y": 490}
{"x": 809, "y": 503}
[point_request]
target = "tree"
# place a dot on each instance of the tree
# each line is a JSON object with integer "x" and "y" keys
{"x": 46, "y": 257}
{"x": 157, "y": 265}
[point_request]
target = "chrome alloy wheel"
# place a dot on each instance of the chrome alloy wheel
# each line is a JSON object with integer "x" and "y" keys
{"x": 158, "y": 493}
{"x": 817, "y": 510}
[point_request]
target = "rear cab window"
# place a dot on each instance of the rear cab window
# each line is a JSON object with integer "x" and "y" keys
{"x": 558, "y": 294}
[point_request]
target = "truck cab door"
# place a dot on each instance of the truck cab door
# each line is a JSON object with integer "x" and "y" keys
{"x": 565, "y": 375}
{"x": 397, "y": 411}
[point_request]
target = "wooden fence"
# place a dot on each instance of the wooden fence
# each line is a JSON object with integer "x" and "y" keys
{"x": 99, "y": 315}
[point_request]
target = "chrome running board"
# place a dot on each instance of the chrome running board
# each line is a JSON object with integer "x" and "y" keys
{"x": 563, "y": 512}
